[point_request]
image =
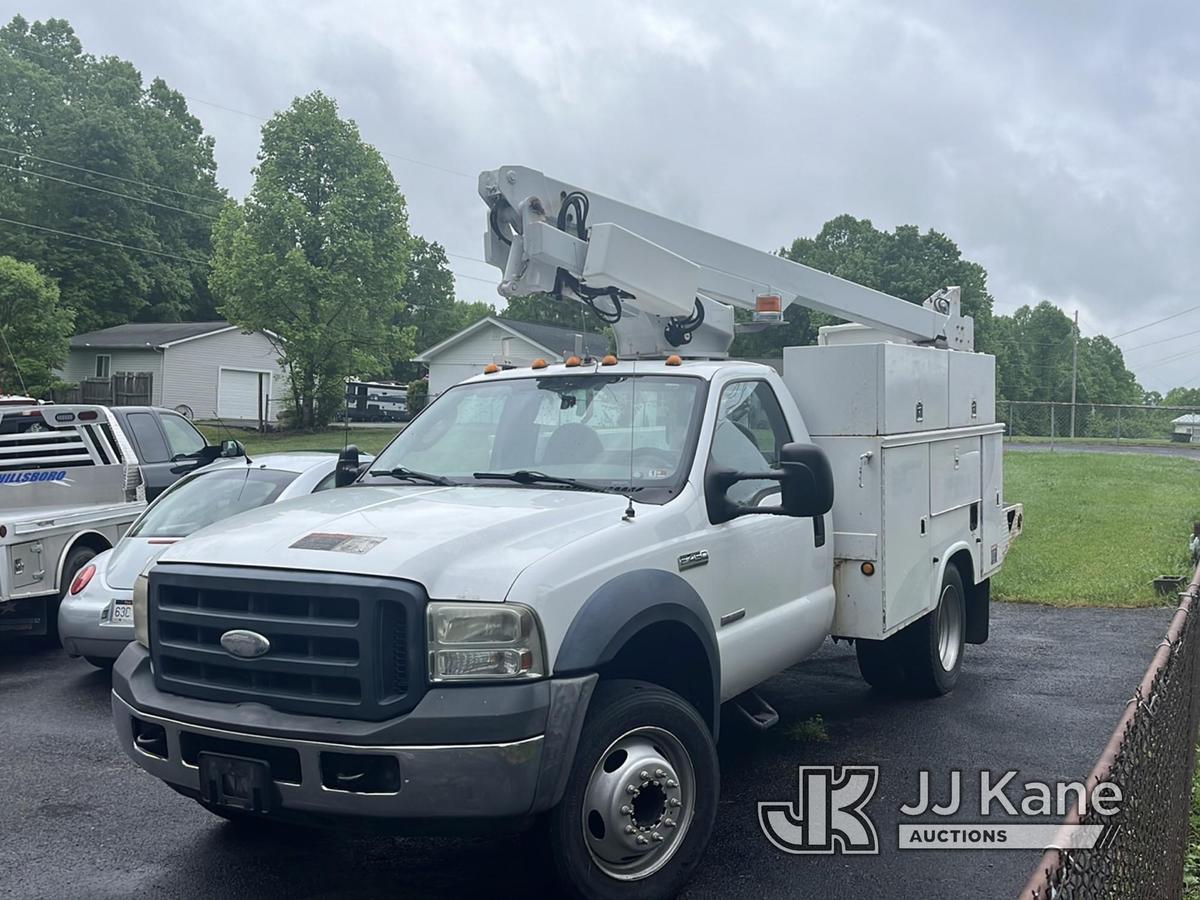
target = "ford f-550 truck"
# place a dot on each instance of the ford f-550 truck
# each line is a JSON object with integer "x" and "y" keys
{"x": 534, "y": 603}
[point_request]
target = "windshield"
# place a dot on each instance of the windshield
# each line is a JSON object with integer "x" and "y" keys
{"x": 570, "y": 426}
{"x": 209, "y": 497}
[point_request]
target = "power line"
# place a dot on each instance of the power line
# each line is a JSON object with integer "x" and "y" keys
{"x": 134, "y": 181}
{"x": 1173, "y": 337}
{"x": 101, "y": 190}
{"x": 84, "y": 237}
{"x": 1156, "y": 322}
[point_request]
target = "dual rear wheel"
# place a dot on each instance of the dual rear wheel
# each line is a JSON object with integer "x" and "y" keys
{"x": 925, "y": 657}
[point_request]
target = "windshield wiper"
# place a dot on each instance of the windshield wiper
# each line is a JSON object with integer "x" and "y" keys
{"x": 527, "y": 476}
{"x": 412, "y": 475}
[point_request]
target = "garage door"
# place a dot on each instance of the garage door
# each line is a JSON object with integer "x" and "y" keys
{"x": 237, "y": 393}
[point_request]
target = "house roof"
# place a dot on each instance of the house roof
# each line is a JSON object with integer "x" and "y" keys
{"x": 1188, "y": 419}
{"x": 146, "y": 335}
{"x": 550, "y": 338}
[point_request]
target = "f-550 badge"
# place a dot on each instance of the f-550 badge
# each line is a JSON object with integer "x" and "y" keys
{"x": 693, "y": 559}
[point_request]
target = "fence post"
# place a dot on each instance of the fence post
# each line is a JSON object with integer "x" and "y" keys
{"x": 1118, "y": 424}
{"x": 1051, "y": 426}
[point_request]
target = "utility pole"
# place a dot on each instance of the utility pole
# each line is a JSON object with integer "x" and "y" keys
{"x": 1074, "y": 367}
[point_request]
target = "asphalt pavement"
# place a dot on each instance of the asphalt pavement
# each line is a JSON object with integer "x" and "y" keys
{"x": 80, "y": 820}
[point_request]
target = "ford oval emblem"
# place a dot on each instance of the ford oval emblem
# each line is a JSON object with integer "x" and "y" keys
{"x": 244, "y": 644}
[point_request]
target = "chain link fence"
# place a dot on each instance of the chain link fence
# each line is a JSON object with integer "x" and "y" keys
{"x": 1150, "y": 756}
{"x": 1037, "y": 418}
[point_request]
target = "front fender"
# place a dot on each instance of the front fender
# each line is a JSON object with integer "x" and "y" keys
{"x": 628, "y": 603}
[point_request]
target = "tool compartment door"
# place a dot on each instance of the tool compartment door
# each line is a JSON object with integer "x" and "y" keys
{"x": 954, "y": 473}
{"x": 907, "y": 568}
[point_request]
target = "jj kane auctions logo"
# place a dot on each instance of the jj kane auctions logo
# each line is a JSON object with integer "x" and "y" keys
{"x": 829, "y": 814}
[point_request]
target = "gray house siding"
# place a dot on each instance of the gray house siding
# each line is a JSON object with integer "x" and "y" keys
{"x": 468, "y": 357}
{"x": 81, "y": 364}
{"x": 197, "y": 370}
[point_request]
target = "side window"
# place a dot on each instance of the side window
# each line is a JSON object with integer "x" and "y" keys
{"x": 103, "y": 365}
{"x": 148, "y": 438}
{"x": 750, "y": 431}
{"x": 325, "y": 483}
{"x": 182, "y": 436}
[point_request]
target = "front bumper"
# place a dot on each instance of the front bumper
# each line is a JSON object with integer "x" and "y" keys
{"x": 84, "y": 628}
{"x": 465, "y": 755}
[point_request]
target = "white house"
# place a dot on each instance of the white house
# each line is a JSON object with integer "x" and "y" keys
{"x": 1187, "y": 428}
{"x": 205, "y": 370}
{"x": 507, "y": 343}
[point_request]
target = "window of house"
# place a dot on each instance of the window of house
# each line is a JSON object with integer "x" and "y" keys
{"x": 103, "y": 365}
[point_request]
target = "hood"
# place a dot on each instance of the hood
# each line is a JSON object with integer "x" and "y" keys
{"x": 130, "y": 556}
{"x": 461, "y": 543}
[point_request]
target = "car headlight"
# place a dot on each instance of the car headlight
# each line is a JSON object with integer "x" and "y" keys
{"x": 483, "y": 641}
{"x": 141, "y": 604}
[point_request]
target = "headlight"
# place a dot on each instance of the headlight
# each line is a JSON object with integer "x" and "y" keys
{"x": 483, "y": 641}
{"x": 141, "y": 603}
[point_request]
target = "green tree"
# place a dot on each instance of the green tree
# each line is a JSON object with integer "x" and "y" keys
{"x": 87, "y": 149}
{"x": 544, "y": 309}
{"x": 430, "y": 308}
{"x": 317, "y": 254}
{"x": 905, "y": 263}
{"x": 35, "y": 329}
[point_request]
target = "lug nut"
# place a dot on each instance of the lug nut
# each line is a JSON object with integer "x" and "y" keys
{"x": 657, "y": 837}
{"x": 670, "y": 823}
{"x": 659, "y": 773}
{"x": 671, "y": 783}
{"x": 629, "y": 829}
{"x": 631, "y": 789}
{"x": 642, "y": 839}
{"x": 626, "y": 810}
{"x": 674, "y": 801}
{"x": 644, "y": 775}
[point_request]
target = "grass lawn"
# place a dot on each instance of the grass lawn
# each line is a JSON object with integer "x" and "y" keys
{"x": 1098, "y": 528}
{"x": 369, "y": 440}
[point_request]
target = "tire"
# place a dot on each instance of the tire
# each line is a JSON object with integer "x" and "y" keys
{"x": 633, "y": 729}
{"x": 101, "y": 663}
{"x": 880, "y": 663}
{"x": 934, "y": 644}
{"x": 76, "y": 560}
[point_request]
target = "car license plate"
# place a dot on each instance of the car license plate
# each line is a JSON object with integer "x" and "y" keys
{"x": 122, "y": 613}
{"x": 234, "y": 782}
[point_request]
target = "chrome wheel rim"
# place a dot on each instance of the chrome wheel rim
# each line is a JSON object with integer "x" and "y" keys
{"x": 638, "y": 803}
{"x": 949, "y": 628}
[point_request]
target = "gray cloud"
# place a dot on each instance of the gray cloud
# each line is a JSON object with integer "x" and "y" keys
{"x": 1055, "y": 142}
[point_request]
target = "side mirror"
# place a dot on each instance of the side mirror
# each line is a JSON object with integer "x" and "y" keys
{"x": 232, "y": 449}
{"x": 347, "y": 466}
{"x": 805, "y": 480}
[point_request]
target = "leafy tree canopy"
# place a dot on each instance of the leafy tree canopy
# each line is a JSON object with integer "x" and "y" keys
{"x": 317, "y": 255}
{"x": 35, "y": 329}
{"x": 86, "y": 148}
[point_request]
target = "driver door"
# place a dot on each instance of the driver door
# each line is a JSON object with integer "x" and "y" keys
{"x": 767, "y": 583}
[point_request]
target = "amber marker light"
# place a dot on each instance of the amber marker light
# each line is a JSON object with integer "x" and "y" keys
{"x": 491, "y": 369}
{"x": 868, "y": 568}
{"x": 674, "y": 360}
{"x": 572, "y": 362}
{"x": 538, "y": 364}
{"x": 609, "y": 360}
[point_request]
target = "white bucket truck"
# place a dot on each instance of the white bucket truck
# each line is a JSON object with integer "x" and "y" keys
{"x": 532, "y": 606}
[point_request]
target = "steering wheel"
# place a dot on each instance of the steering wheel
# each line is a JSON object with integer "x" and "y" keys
{"x": 656, "y": 454}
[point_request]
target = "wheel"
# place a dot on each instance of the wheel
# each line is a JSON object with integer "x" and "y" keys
{"x": 933, "y": 658}
{"x": 76, "y": 560}
{"x": 100, "y": 663}
{"x": 641, "y": 798}
{"x": 186, "y": 411}
{"x": 879, "y": 663}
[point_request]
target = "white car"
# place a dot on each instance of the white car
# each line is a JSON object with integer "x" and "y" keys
{"x": 95, "y": 620}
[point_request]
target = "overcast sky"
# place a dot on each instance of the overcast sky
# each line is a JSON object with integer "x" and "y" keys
{"x": 1055, "y": 142}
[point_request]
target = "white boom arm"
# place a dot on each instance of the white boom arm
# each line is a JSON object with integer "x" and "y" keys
{"x": 667, "y": 275}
